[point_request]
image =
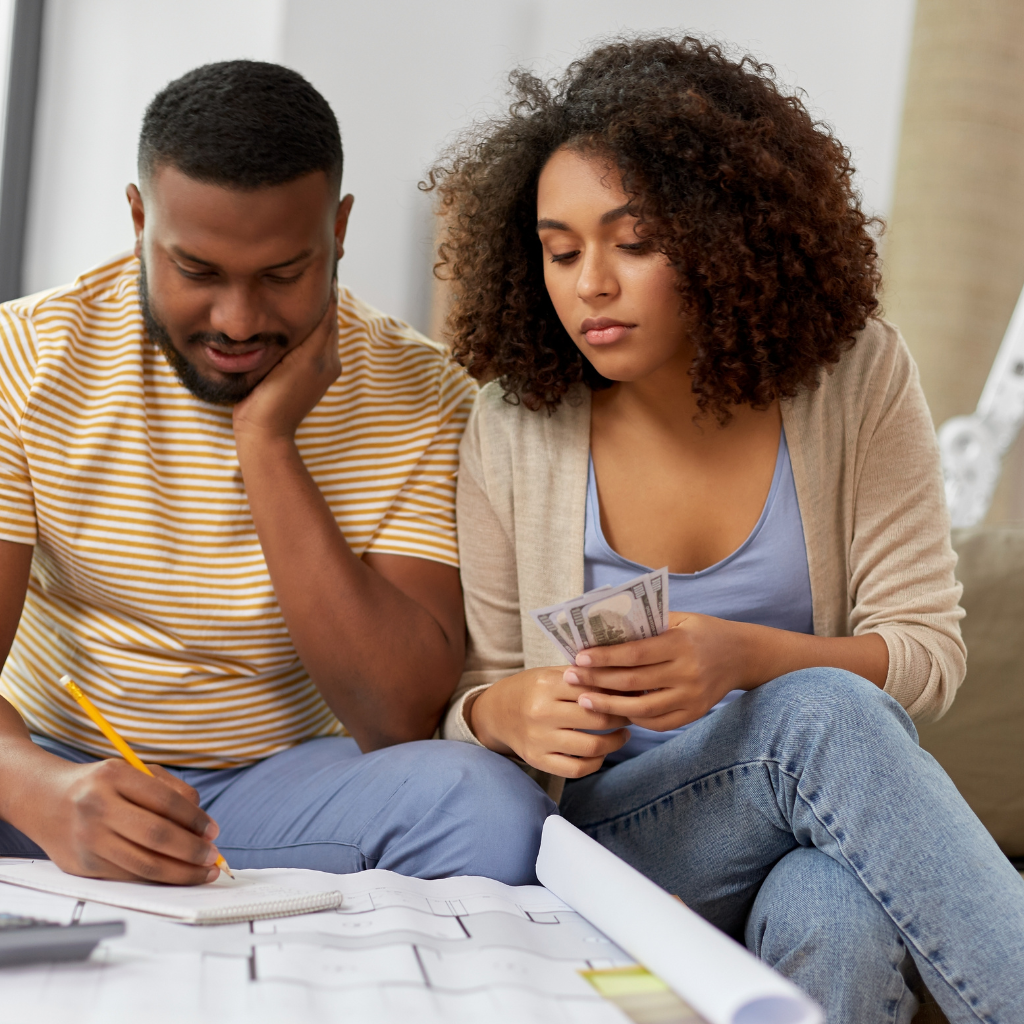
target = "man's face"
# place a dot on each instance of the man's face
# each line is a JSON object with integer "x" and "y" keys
{"x": 234, "y": 280}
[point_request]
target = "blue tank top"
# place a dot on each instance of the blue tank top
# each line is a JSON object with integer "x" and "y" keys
{"x": 764, "y": 581}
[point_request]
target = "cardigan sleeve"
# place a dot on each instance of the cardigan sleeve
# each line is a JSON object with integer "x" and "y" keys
{"x": 902, "y": 583}
{"x": 490, "y": 586}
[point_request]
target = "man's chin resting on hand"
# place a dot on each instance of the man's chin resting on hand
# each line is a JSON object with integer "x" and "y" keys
{"x": 227, "y": 511}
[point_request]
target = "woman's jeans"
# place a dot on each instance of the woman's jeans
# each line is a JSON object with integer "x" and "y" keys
{"x": 804, "y": 819}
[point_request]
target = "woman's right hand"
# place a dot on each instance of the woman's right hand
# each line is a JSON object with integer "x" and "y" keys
{"x": 534, "y": 715}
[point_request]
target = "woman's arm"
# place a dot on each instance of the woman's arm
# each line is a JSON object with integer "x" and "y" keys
{"x": 901, "y": 563}
{"x": 531, "y": 714}
{"x": 487, "y": 560}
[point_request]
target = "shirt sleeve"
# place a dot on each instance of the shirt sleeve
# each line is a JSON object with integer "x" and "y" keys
{"x": 902, "y": 580}
{"x": 17, "y": 362}
{"x": 420, "y": 522}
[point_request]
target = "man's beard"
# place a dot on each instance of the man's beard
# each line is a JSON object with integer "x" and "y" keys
{"x": 228, "y": 390}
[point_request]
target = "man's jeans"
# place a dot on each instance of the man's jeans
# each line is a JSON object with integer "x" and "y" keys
{"x": 804, "y": 819}
{"x": 431, "y": 809}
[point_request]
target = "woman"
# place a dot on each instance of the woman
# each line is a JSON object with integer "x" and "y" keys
{"x": 660, "y": 263}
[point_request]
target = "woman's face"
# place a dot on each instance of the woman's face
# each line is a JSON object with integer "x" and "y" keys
{"x": 614, "y": 293}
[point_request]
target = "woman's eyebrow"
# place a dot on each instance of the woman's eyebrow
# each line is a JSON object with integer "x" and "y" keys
{"x": 606, "y": 218}
{"x": 619, "y": 211}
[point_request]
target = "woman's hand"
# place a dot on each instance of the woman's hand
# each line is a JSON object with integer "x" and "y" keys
{"x": 677, "y": 677}
{"x": 535, "y": 714}
{"x": 671, "y": 679}
{"x": 283, "y": 399}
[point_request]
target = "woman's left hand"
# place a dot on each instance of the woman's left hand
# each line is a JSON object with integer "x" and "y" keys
{"x": 671, "y": 679}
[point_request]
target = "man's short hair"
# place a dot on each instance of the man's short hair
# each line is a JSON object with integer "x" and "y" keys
{"x": 242, "y": 124}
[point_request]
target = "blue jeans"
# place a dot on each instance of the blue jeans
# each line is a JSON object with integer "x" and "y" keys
{"x": 431, "y": 809}
{"x": 805, "y": 820}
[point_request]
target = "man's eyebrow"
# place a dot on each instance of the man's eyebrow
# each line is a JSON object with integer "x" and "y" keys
{"x": 182, "y": 254}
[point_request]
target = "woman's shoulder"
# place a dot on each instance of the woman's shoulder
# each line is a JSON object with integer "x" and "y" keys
{"x": 505, "y": 421}
{"x": 875, "y": 370}
{"x": 878, "y": 356}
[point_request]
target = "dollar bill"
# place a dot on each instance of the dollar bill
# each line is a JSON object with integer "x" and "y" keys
{"x": 555, "y": 623}
{"x": 659, "y": 584}
{"x": 632, "y": 610}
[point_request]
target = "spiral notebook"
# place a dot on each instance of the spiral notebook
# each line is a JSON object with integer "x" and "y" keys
{"x": 251, "y": 895}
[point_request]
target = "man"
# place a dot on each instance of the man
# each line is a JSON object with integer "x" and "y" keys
{"x": 226, "y": 504}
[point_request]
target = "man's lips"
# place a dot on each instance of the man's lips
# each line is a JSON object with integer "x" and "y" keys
{"x": 603, "y": 330}
{"x": 243, "y": 359}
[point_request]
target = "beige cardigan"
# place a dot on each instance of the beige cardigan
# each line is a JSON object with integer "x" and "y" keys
{"x": 869, "y": 486}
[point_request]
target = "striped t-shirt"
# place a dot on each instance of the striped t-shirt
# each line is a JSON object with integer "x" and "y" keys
{"x": 148, "y": 581}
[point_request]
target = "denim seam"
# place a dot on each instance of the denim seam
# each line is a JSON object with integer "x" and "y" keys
{"x": 670, "y": 792}
{"x": 810, "y": 806}
{"x": 907, "y": 938}
{"x": 290, "y": 846}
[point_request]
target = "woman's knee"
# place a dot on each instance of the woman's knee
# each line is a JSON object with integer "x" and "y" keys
{"x": 827, "y": 698}
{"x": 816, "y": 923}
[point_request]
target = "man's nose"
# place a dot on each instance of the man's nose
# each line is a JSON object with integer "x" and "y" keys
{"x": 238, "y": 313}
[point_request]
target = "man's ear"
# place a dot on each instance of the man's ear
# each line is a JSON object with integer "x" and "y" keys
{"x": 341, "y": 223}
{"x": 138, "y": 215}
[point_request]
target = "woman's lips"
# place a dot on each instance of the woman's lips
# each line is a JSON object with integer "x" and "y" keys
{"x": 236, "y": 362}
{"x": 604, "y": 331}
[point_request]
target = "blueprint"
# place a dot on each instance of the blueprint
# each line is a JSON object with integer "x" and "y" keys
{"x": 398, "y": 949}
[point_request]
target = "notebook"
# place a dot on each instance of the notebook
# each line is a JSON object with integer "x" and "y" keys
{"x": 249, "y": 896}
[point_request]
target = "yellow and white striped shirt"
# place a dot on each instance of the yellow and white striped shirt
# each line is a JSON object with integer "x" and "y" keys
{"x": 148, "y": 581}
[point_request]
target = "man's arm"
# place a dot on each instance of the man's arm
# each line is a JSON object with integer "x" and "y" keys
{"x": 105, "y": 819}
{"x": 382, "y": 637}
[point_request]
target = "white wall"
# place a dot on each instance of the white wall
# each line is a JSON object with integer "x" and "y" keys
{"x": 102, "y": 62}
{"x": 403, "y": 75}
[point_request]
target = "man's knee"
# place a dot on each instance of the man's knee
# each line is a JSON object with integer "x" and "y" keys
{"x": 487, "y": 814}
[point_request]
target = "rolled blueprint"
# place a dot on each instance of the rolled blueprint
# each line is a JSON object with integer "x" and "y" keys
{"x": 723, "y": 982}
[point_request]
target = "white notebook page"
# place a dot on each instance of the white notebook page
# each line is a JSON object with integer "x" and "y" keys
{"x": 249, "y": 896}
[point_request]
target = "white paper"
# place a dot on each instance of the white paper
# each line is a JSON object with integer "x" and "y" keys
{"x": 398, "y": 950}
{"x": 248, "y": 896}
{"x": 718, "y": 977}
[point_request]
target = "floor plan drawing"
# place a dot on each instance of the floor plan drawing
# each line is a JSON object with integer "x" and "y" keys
{"x": 597, "y": 943}
{"x": 398, "y": 949}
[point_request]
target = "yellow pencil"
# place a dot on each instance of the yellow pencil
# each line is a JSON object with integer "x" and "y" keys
{"x": 119, "y": 744}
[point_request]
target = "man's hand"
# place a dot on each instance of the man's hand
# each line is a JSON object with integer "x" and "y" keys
{"x": 535, "y": 714}
{"x": 108, "y": 820}
{"x": 283, "y": 399}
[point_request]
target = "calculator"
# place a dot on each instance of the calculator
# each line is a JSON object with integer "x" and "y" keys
{"x": 27, "y": 940}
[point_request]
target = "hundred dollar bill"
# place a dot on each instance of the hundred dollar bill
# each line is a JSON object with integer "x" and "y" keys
{"x": 608, "y": 615}
{"x": 555, "y": 623}
{"x": 659, "y": 584}
{"x": 622, "y": 614}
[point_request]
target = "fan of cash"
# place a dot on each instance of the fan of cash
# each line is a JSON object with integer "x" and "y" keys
{"x": 608, "y": 615}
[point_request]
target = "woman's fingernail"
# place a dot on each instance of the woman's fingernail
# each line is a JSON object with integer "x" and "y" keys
{"x": 212, "y": 874}
{"x": 582, "y": 659}
{"x": 211, "y": 831}
{"x": 571, "y": 677}
{"x": 211, "y": 857}
{"x": 587, "y": 703}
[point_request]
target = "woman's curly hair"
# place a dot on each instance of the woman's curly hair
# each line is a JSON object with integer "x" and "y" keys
{"x": 750, "y": 200}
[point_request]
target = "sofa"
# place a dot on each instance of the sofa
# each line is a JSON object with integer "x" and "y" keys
{"x": 980, "y": 740}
